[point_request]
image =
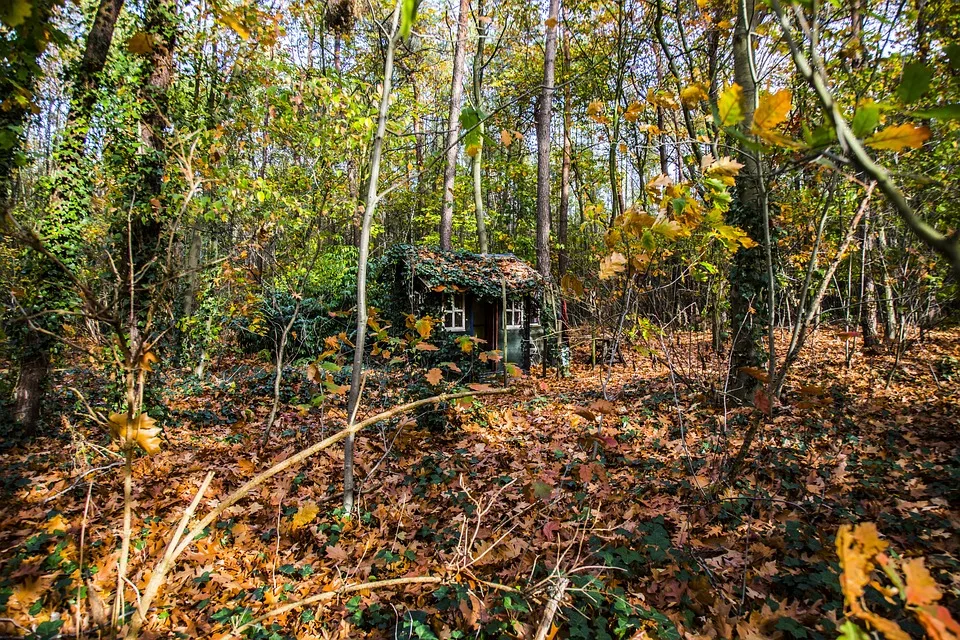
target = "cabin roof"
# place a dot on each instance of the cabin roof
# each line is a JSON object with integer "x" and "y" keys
{"x": 480, "y": 274}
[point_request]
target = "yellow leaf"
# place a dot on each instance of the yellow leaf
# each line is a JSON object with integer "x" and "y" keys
{"x": 896, "y": 137}
{"x": 772, "y": 109}
{"x": 506, "y": 138}
{"x": 424, "y": 327}
{"x": 473, "y": 150}
{"x": 147, "y": 360}
{"x": 551, "y": 23}
{"x": 142, "y": 430}
{"x": 57, "y": 523}
{"x": 434, "y": 376}
{"x": 612, "y": 265}
{"x": 633, "y": 112}
{"x": 670, "y": 229}
{"x": 233, "y": 22}
{"x": 729, "y": 107}
{"x": 140, "y": 43}
{"x": 16, "y": 12}
{"x": 725, "y": 166}
{"x": 694, "y": 94}
{"x": 922, "y": 590}
{"x": 305, "y": 515}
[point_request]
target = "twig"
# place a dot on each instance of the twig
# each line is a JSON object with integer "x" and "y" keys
{"x": 551, "y": 611}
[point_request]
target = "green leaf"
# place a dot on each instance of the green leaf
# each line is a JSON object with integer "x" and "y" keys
{"x": 729, "y": 107}
{"x": 915, "y": 82}
{"x": 953, "y": 54}
{"x": 14, "y": 13}
{"x": 866, "y": 119}
{"x": 471, "y": 120}
{"x": 943, "y": 112}
{"x": 408, "y": 13}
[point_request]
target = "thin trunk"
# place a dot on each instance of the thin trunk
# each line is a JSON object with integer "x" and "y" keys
{"x": 193, "y": 265}
{"x": 564, "y": 210}
{"x": 476, "y": 164}
{"x": 544, "y": 117}
{"x": 31, "y": 383}
{"x": 453, "y": 127}
{"x": 868, "y": 290}
{"x": 890, "y": 313}
{"x": 368, "y": 213}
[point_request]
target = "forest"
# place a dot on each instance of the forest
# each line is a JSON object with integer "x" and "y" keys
{"x": 481, "y": 319}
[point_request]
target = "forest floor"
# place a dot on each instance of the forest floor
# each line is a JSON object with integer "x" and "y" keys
{"x": 631, "y": 499}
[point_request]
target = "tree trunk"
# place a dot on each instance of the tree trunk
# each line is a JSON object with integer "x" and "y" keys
{"x": 564, "y": 210}
{"x": 868, "y": 289}
{"x": 748, "y": 308}
{"x": 890, "y": 313}
{"x": 67, "y": 205}
{"x": 451, "y": 145}
{"x": 28, "y": 394}
{"x": 476, "y": 164}
{"x": 544, "y": 117}
{"x": 369, "y": 210}
{"x": 193, "y": 264}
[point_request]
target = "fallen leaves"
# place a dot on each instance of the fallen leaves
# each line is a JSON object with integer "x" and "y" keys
{"x": 304, "y": 515}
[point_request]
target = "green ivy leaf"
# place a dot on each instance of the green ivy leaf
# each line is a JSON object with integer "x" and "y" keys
{"x": 915, "y": 82}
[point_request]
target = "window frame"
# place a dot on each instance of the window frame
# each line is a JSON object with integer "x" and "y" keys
{"x": 515, "y": 311}
{"x": 451, "y": 309}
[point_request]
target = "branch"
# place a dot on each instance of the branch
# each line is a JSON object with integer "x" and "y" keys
{"x": 946, "y": 246}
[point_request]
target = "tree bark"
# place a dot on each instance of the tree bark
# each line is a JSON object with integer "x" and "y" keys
{"x": 451, "y": 145}
{"x": 748, "y": 309}
{"x": 563, "y": 214}
{"x": 544, "y": 117}
{"x": 31, "y": 383}
{"x": 868, "y": 289}
{"x": 476, "y": 162}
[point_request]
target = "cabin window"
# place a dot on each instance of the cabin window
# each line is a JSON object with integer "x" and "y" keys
{"x": 514, "y": 314}
{"x": 455, "y": 312}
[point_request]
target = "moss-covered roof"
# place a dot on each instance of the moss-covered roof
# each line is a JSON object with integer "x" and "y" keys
{"x": 481, "y": 274}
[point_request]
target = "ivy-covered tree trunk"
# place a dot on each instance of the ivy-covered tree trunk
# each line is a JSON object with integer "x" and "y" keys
{"x": 749, "y": 315}
{"x": 69, "y": 199}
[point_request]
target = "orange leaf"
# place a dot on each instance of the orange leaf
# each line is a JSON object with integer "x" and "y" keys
{"x": 921, "y": 587}
{"x": 896, "y": 137}
{"x": 434, "y": 376}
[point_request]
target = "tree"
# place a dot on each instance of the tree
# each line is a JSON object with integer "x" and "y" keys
{"x": 68, "y": 202}
{"x": 450, "y": 145}
{"x": 749, "y": 286}
{"x": 370, "y": 207}
{"x": 544, "y": 113}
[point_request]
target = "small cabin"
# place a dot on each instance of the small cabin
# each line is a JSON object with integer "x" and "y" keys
{"x": 467, "y": 290}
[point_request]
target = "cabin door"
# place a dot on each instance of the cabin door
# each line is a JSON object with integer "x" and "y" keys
{"x": 485, "y": 325}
